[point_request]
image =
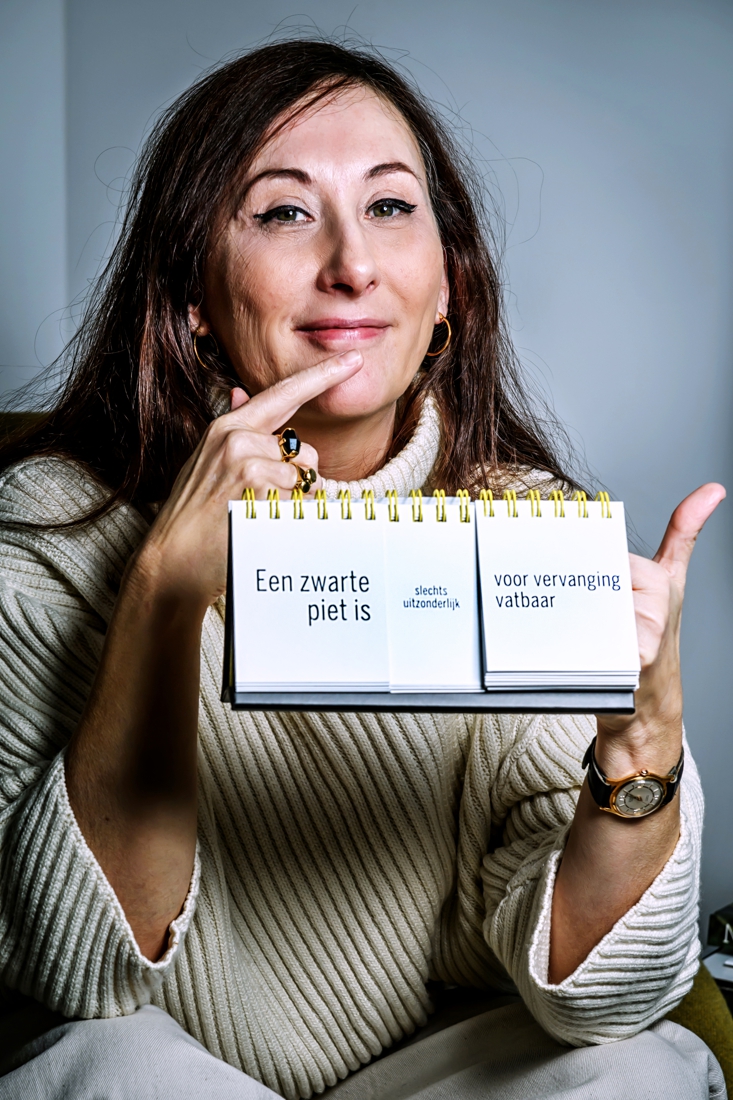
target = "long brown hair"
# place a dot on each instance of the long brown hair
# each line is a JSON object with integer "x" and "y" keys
{"x": 136, "y": 400}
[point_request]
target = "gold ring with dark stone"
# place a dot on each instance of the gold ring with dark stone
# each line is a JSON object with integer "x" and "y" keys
{"x": 289, "y": 444}
{"x": 306, "y": 479}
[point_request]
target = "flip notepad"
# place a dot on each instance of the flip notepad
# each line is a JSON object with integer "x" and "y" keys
{"x": 309, "y": 594}
{"x": 429, "y": 603}
{"x": 432, "y": 611}
{"x": 556, "y": 595}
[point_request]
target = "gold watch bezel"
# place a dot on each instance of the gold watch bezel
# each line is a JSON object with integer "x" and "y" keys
{"x": 643, "y": 775}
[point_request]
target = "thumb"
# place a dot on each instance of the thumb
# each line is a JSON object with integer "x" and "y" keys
{"x": 688, "y": 520}
{"x": 238, "y": 397}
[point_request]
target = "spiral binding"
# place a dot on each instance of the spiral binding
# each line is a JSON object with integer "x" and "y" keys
{"x": 416, "y": 496}
{"x": 556, "y": 496}
{"x": 248, "y": 496}
{"x": 510, "y": 496}
{"x": 464, "y": 505}
{"x": 485, "y": 497}
{"x": 345, "y": 498}
{"x": 605, "y": 504}
{"x": 273, "y": 499}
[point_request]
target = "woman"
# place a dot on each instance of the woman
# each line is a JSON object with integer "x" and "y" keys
{"x": 289, "y": 891}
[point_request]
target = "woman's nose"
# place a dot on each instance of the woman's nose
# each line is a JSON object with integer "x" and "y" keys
{"x": 349, "y": 264}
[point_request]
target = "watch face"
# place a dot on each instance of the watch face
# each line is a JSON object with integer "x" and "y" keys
{"x": 638, "y": 797}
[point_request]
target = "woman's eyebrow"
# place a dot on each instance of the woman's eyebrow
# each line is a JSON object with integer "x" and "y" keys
{"x": 280, "y": 173}
{"x": 387, "y": 169}
{"x": 302, "y": 177}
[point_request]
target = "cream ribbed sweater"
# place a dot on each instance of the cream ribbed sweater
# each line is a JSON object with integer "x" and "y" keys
{"x": 343, "y": 859}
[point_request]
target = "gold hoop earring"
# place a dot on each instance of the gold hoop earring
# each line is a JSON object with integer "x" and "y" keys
{"x": 443, "y": 321}
{"x": 206, "y": 366}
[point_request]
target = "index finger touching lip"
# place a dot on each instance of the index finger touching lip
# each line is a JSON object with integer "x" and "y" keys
{"x": 272, "y": 407}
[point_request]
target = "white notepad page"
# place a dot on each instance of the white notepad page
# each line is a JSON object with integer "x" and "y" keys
{"x": 309, "y": 600}
{"x": 556, "y": 597}
{"x": 432, "y": 609}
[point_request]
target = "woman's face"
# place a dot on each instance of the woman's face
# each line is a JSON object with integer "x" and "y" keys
{"x": 335, "y": 246}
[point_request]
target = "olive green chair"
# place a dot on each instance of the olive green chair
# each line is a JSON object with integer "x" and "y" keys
{"x": 704, "y": 1011}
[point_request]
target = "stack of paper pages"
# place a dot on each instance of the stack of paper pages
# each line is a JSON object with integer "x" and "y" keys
{"x": 556, "y": 597}
{"x": 428, "y": 596}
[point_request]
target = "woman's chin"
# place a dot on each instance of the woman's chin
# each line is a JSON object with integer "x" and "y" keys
{"x": 350, "y": 402}
{"x": 345, "y": 409}
{"x": 362, "y": 396}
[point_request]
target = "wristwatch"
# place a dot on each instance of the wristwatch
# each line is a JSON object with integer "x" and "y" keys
{"x": 634, "y": 795}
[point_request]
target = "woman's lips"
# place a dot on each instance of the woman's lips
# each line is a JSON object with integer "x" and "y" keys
{"x": 332, "y": 330}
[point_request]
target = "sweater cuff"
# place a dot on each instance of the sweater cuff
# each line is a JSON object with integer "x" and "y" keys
{"x": 176, "y": 929}
{"x": 640, "y": 969}
{"x": 74, "y": 949}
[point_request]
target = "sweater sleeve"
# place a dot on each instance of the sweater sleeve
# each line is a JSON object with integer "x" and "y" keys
{"x": 64, "y": 938}
{"x": 646, "y": 963}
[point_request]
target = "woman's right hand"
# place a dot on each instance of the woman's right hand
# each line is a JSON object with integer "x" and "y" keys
{"x": 184, "y": 556}
{"x": 131, "y": 765}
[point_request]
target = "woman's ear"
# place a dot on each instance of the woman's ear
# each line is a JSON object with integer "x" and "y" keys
{"x": 444, "y": 296}
{"x": 196, "y": 322}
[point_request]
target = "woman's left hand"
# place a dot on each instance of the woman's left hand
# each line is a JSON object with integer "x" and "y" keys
{"x": 609, "y": 862}
{"x": 654, "y": 732}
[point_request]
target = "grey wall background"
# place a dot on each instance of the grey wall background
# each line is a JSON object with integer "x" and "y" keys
{"x": 33, "y": 236}
{"x": 606, "y": 125}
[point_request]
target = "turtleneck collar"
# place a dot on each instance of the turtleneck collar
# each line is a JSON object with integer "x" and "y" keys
{"x": 410, "y": 469}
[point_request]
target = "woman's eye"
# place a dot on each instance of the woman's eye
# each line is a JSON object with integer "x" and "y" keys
{"x": 283, "y": 214}
{"x": 387, "y": 208}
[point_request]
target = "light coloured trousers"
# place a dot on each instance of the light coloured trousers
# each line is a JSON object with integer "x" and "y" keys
{"x": 498, "y": 1055}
